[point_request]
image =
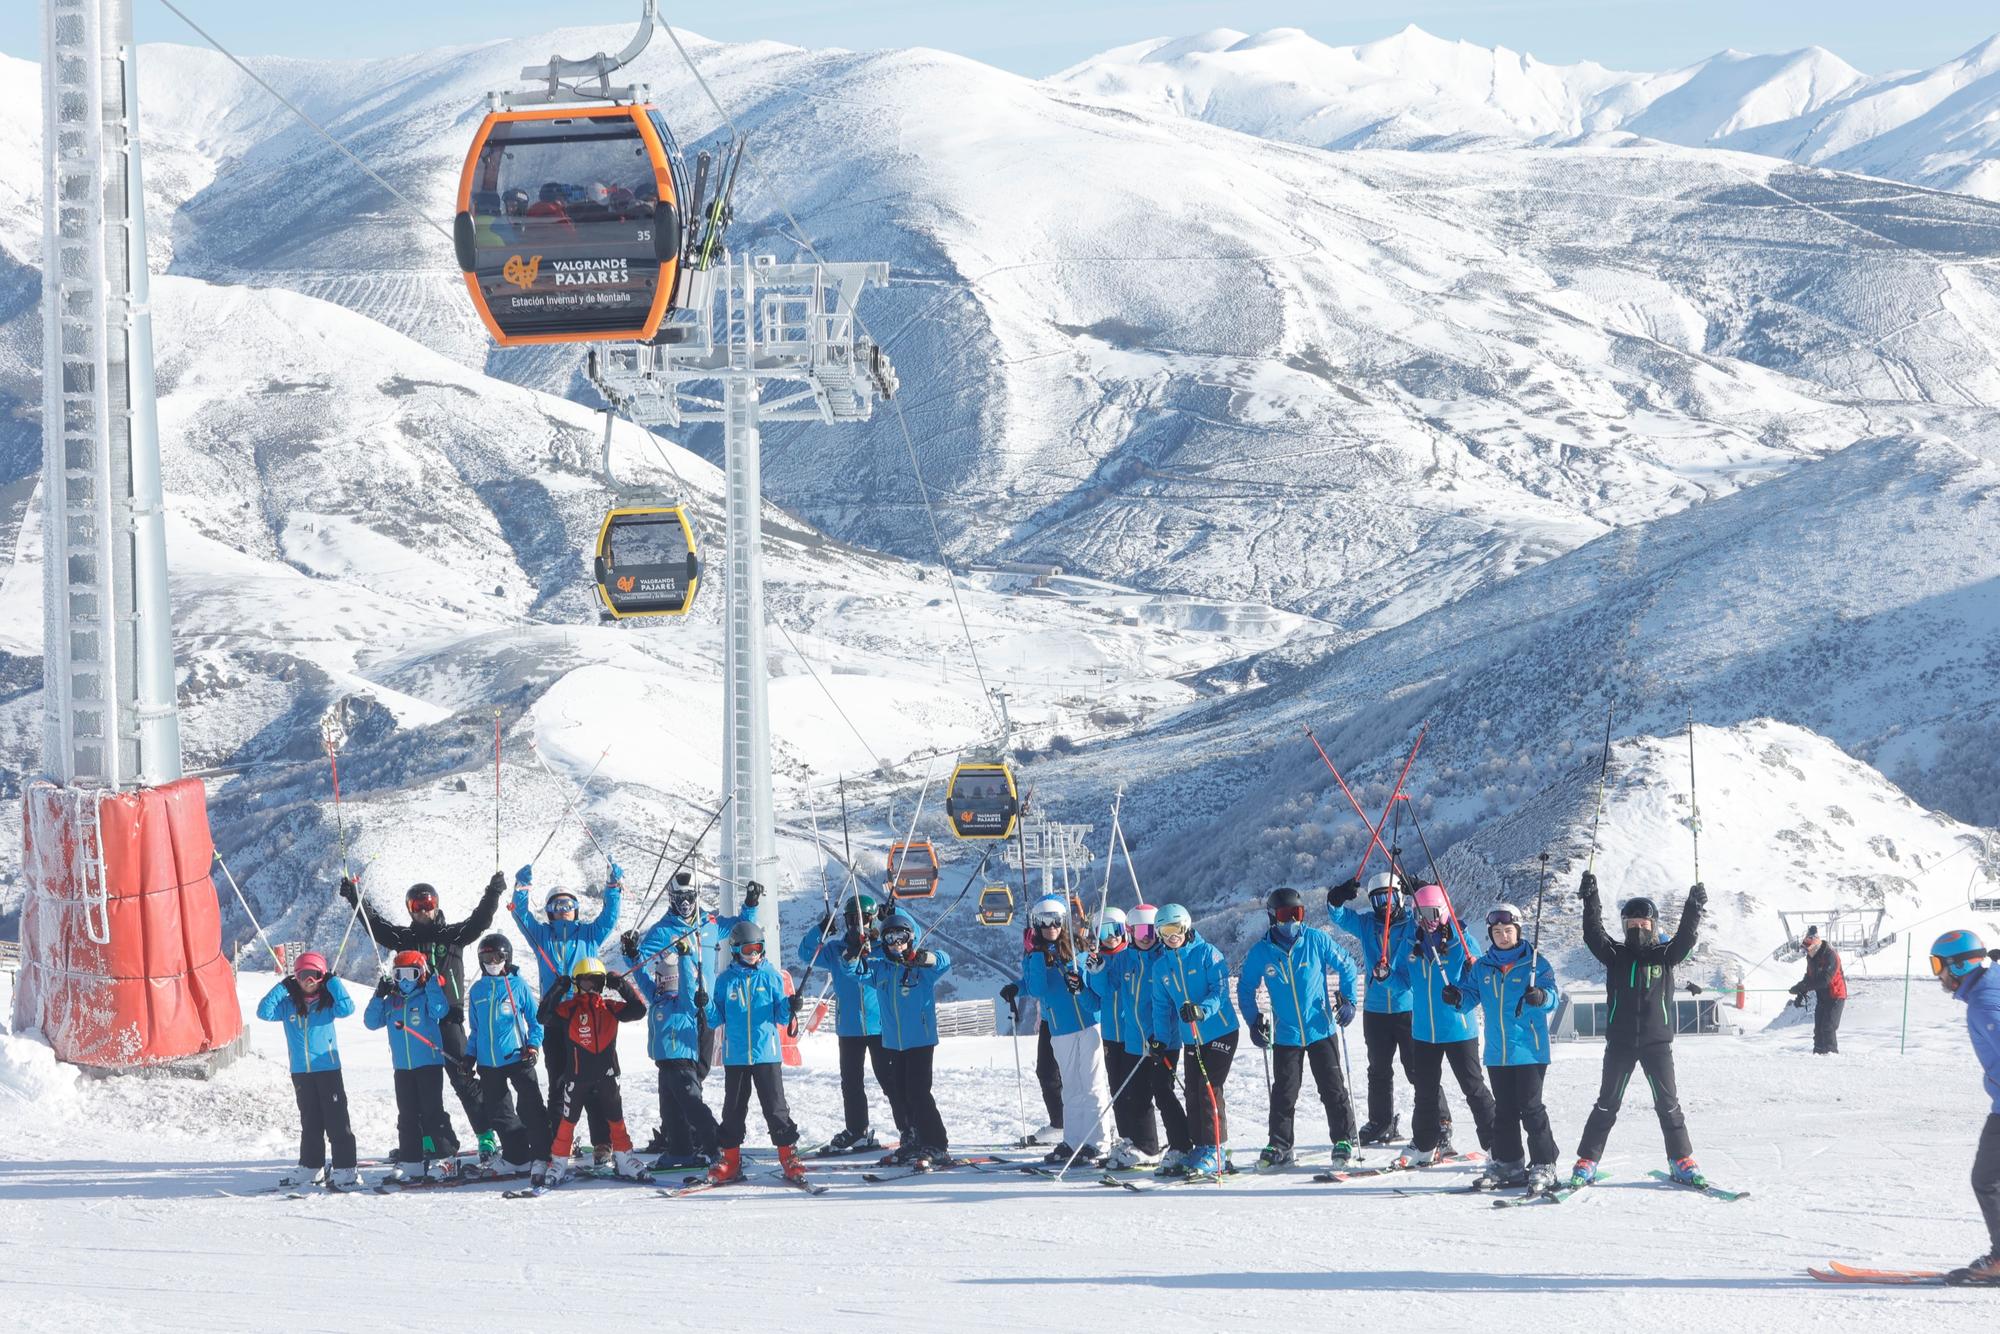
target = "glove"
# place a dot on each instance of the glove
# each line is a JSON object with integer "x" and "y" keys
{"x": 468, "y": 1064}
{"x": 924, "y": 959}
{"x": 617, "y": 878}
{"x": 1698, "y": 896}
{"x": 700, "y": 999}
{"x": 349, "y": 890}
{"x": 1451, "y": 996}
{"x": 684, "y": 943}
{"x": 1010, "y": 993}
{"x": 455, "y": 1015}
{"x": 1342, "y": 892}
{"x": 1800, "y": 1001}
{"x": 385, "y": 987}
{"x": 296, "y": 992}
{"x": 528, "y": 1055}
{"x": 525, "y": 876}
{"x": 1093, "y": 963}
{"x": 1536, "y": 996}
{"x": 1260, "y": 1032}
{"x": 1588, "y": 887}
{"x": 1380, "y": 972}
{"x": 1074, "y": 981}
{"x": 629, "y": 943}
{"x": 1190, "y": 1012}
{"x": 560, "y": 987}
{"x": 1694, "y": 988}
{"x": 753, "y": 894}
{"x": 1155, "y": 1047}
{"x": 1344, "y": 1013}
{"x": 496, "y": 884}
{"x": 795, "y": 1003}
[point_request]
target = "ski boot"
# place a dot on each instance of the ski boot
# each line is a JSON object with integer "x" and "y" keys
{"x": 296, "y": 1177}
{"x": 505, "y": 1167}
{"x": 682, "y": 1162}
{"x": 344, "y": 1178}
{"x": 1981, "y": 1273}
{"x": 1343, "y": 1152}
{"x": 927, "y": 1158}
{"x": 630, "y": 1166}
{"x": 1273, "y": 1156}
{"x": 729, "y": 1168}
{"x": 1585, "y": 1172}
{"x": 1382, "y": 1132}
{"x": 600, "y": 1158}
{"x": 440, "y": 1169}
{"x": 1206, "y": 1161}
{"x": 1126, "y": 1156}
{"x": 398, "y": 1173}
{"x": 1059, "y": 1155}
{"x": 1687, "y": 1172}
{"x": 1049, "y": 1134}
{"x": 657, "y": 1145}
{"x": 1541, "y": 1178}
{"x": 1173, "y": 1163}
{"x": 790, "y": 1164}
{"x": 852, "y": 1141}
{"x": 1498, "y": 1175}
{"x": 1416, "y": 1157}
{"x": 489, "y": 1144}
{"x": 1089, "y": 1156}
{"x": 906, "y": 1149}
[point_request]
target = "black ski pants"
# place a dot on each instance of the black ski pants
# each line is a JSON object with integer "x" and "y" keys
{"x": 854, "y": 1091}
{"x": 913, "y": 1071}
{"x": 510, "y": 1104}
{"x": 1167, "y": 1100}
{"x": 1985, "y": 1179}
{"x": 323, "y": 1119}
{"x": 1517, "y": 1100}
{"x": 555, "y": 1059}
{"x": 420, "y": 1114}
{"x": 1049, "y": 1075}
{"x": 686, "y": 1125}
{"x": 769, "y": 1081}
{"x": 1430, "y": 1123}
{"x": 595, "y": 1096}
{"x": 1132, "y": 1098}
{"x": 1288, "y": 1065}
{"x": 1826, "y": 1024}
{"x": 1204, "y": 1070}
{"x": 1389, "y": 1040}
{"x": 1657, "y": 1060}
{"x": 451, "y": 1036}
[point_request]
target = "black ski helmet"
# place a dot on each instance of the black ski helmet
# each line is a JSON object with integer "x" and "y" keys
{"x": 744, "y": 934}
{"x": 1639, "y": 907}
{"x": 495, "y": 943}
{"x": 420, "y": 892}
{"x": 900, "y": 924}
{"x": 1284, "y": 897}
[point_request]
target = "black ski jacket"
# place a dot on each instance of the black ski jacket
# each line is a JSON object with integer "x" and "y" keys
{"x": 442, "y": 943}
{"x": 1640, "y": 979}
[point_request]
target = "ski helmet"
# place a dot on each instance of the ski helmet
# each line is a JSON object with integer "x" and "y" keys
{"x": 410, "y": 959}
{"x": 745, "y": 935}
{"x": 1380, "y": 881}
{"x": 862, "y": 906}
{"x": 420, "y": 898}
{"x": 312, "y": 961}
{"x": 1050, "y": 911}
{"x": 559, "y": 900}
{"x": 589, "y": 974}
{"x": 1385, "y": 894}
{"x": 899, "y": 932}
{"x": 1139, "y": 922}
{"x": 1285, "y": 904}
{"x": 1503, "y": 914}
{"x": 1432, "y": 905}
{"x": 1638, "y": 908}
{"x": 1175, "y": 924}
{"x": 1958, "y": 953}
{"x": 681, "y": 896}
{"x": 497, "y": 946}
{"x": 1111, "y": 930}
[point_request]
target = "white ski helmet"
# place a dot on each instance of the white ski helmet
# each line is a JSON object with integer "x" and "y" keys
{"x": 1501, "y": 914}
{"x": 1381, "y": 880}
{"x": 1110, "y": 917}
{"x": 1050, "y": 911}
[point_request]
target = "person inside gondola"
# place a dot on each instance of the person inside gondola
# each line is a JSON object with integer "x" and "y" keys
{"x": 548, "y": 217}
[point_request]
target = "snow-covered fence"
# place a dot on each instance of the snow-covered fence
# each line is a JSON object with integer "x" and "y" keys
{"x": 956, "y": 1019}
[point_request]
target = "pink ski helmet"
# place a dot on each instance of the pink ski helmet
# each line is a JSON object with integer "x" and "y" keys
{"x": 1432, "y": 905}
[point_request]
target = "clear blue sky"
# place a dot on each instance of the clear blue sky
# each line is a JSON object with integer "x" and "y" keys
{"x": 1040, "y": 36}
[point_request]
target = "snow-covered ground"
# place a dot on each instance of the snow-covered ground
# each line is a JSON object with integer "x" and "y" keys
{"x": 112, "y": 1212}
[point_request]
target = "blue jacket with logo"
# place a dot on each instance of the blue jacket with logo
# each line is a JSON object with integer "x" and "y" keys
{"x": 1294, "y": 976}
{"x": 1386, "y": 995}
{"x": 309, "y": 1037}
{"x": 858, "y": 1014}
{"x": 1042, "y": 978}
{"x": 1981, "y": 995}
{"x": 500, "y": 1018}
{"x": 673, "y": 1024}
{"x": 559, "y": 946}
{"x": 1497, "y": 982}
{"x": 907, "y": 994}
{"x": 412, "y": 1020}
{"x": 1195, "y": 972}
{"x": 749, "y": 1006}
{"x": 1425, "y": 969}
{"x": 1115, "y": 984}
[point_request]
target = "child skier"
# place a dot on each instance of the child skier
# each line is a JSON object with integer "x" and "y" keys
{"x": 1385, "y": 932}
{"x": 1051, "y": 975}
{"x": 1292, "y": 961}
{"x": 749, "y": 1007}
{"x": 560, "y": 942}
{"x": 506, "y": 1034}
{"x": 671, "y": 981}
{"x": 588, "y": 1006}
{"x": 1188, "y": 1004}
{"x": 1639, "y": 983}
{"x": 1436, "y": 958}
{"x": 410, "y": 1003}
{"x": 1115, "y": 985}
{"x": 1963, "y": 967}
{"x": 857, "y": 1022}
{"x": 904, "y": 980}
{"x": 307, "y": 1003}
{"x": 1517, "y": 989}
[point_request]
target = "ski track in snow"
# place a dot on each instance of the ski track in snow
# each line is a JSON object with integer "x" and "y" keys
{"x": 110, "y": 1198}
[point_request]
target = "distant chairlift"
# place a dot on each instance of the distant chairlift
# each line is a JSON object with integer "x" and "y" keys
{"x": 982, "y": 803}
{"x": 913, "y": 870}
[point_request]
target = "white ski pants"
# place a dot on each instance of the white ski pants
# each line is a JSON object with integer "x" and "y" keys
{"x": 1086, "y": 1097}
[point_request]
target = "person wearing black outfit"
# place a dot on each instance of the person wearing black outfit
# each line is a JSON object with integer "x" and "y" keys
{"x": 1639, "y": 982}
{"x": 442, "y": 944}
{"x": 1826, "y": 982}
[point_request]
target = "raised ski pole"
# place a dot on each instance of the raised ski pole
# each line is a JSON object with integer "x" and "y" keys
{"x": 570, "y": 805}
{"x": 496, "y": 790}
{"x": 276, "y": 960}
{"x": 650, "y": 897}
{"x": 902, "y": 855}
{"x": 1375, "y": 829}
{"x": 1603, "y": 768}
{"x": 1694, "y": 804}
{"x": 681, "y": 865}
{"x": 1110, "y": 856}
{"x": 1535, "y": 955}
{"x": 1437, "y": 878}
{"x": 340, "y": 826}
{"x": 568, "y": 801}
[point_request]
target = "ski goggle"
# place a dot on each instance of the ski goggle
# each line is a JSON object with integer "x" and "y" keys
{"x": 1142, "y": 934}
{"x": 315, "y": 975}
{"x": 1289, "y": 912}
{"x": 590, "y": 982}
{"x": 408, "y": 974}
{"x": 1430, "y": 914}
{"x": 1958, "y": 965}
{"x": 1044, "y": 921}
{"x": 426, "y": 901}
{"x": 1501, "y": 917}
{"x": 898, "y": 940}
{"x": 1172, "y": 933}
{"x": 1382, "y": 898}
{"x": 1111, "y": 931}
{"x": 755, "y": 950}
{"x": 562, "y": 907}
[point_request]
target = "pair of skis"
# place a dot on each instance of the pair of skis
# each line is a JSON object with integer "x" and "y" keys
{"x": 1901, "y": 1278}
{"x": 699, "y": 1185}
{"x": 903, "y": 1171}
{"x": 1393, "y": 1166}
{"x": 535, "y": 1192}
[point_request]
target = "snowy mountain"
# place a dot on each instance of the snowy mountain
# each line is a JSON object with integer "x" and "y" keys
{"x": 1937, "y": 127}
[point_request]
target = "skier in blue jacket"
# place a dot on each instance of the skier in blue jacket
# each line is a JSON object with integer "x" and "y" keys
{"x": 1442, "y": 1033}
{"x": 410, "y": 1003}
{"x": 1963, "y": 967}
{"x": 1516, "y": 988}
{"x": 1291, "y": 962}
{"x": 559, "y": 942}
{"x": 1188, "y": 1005}
{"x": 749, "y": 1008}
{"x": 504, "y": 1034}
{"x": 671, "y": 981}
{"x": 905, "y": 980}
{"x": 857, "y": 1022}
{"x": 1112, "y": 971}
{"x": 1385, "y": 932}
{"x": 1052, "y": 975}
{"x": 307, "y": 1003}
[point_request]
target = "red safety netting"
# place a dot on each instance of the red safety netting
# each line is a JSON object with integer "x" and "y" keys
{"x": 121, "y": 936}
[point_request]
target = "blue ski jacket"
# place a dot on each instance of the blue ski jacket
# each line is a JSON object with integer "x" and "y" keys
{"x": 1497, "y": 981}
{"x": 559, "y": 946}
{"x": 1385, "y": 995}
{"x": 309, "y": 1036}
{"x": 412, "y": 1020}
{"x": 1425, "y": 968}
{"x": 749, "y": 1007}
{"x": 1115, "y": 984}
{"x": 1981, "y": 995}
{"x": 1195, "y": 972}
{"x": 1293, "y": 973}
{"x": 1042, "y": 978}
{"x": 673, "y": 1024}
{"x": 857, "y": 1013}
{"x": 500, "y": 1018}
{"x": 907, "y": 993}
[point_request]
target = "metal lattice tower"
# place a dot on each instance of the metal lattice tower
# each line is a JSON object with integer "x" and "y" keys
{"x": 784, "y": 346}
{"x": 110, "y": 719}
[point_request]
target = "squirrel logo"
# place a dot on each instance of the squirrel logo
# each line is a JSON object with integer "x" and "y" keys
{"x": 521, "y": 273}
